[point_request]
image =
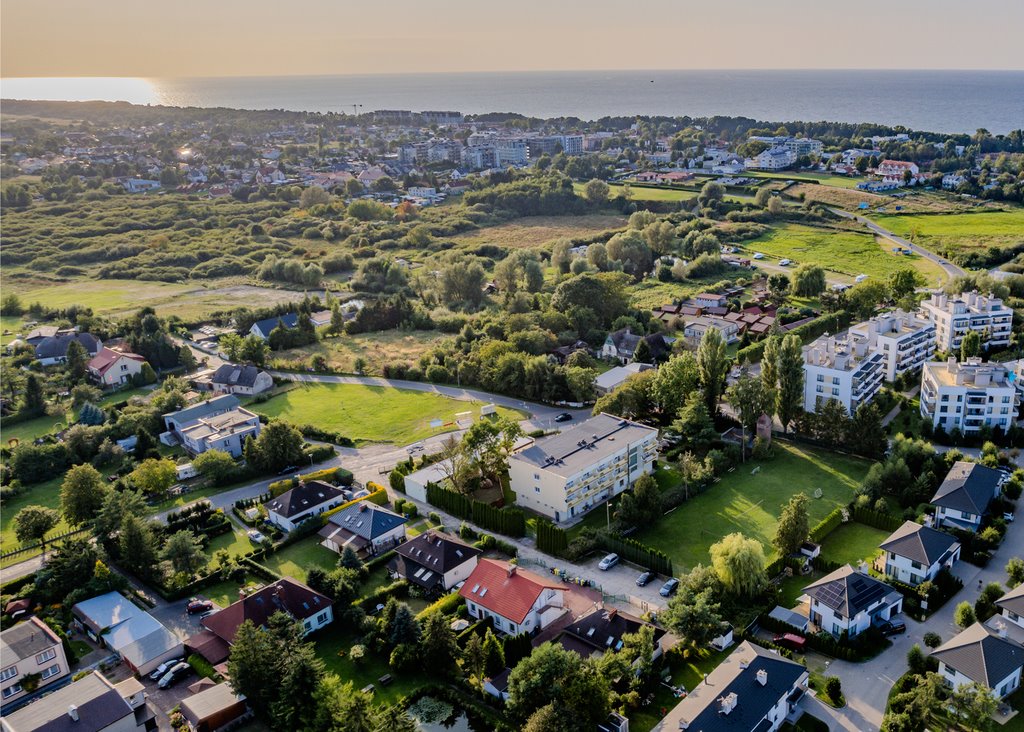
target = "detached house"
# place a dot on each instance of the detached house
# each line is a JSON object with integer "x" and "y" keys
{"x": 263, "y": 328}
{"x": 248, "y": 380}
{"x": 983, "y": 654}
{"x": 54, "y": 349}
{"x": 851, "y": 601}
{"x": 622, "y": 344}
{"x": 30, "y": 648}
{"x": 303, "y": 501}
{"x": 916, "y": 553}
{"x": 601, "y": 632}
{"x": 91, "y": 704}
{"x": 112, "y": 367}
{"x": 965, "y": 494}
{"x": 366, "y": 527}
{"x": 518, "y": 601}
{"x": 434, "y": 562}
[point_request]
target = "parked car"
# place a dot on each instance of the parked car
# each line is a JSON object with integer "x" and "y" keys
{"x": 644, "y": 579}
{"x": 608, "y": 562}
{"x": 791, "y": 640}
{"x": 289, "y": 469}
{"x": 196, "y": 605}
{"x": 163, "y": 668}
{"x": 669, "y": 588}
{"x": 785, "y": 262}
{"x": 758, "y": 255}
{"x": 564, "y": 417}
{"x": 890, "y": 627}
{"x": 256, "y": 537}
{"x": 176, "y": 674}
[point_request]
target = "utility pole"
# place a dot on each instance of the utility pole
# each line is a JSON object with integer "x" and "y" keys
{"x": 355, "y": 109}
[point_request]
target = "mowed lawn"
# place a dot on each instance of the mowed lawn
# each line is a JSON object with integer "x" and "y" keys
{"x": 964, "y": 231}
{"x": 751, "y": 503}
{"x": 41, "y": 494}
{"x": 371, "y": 413}
{"x": 848, "y": 253}
{"x": 852, "y": 543}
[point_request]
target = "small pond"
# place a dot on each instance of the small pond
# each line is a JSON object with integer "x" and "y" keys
{"x": 437, "y": 715}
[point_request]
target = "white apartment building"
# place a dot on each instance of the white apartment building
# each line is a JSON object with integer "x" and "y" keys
{"x": 512, "y": 151}
{"x": 774, "y": 158}
{"x": 955, "y": 316}
{"x": 905, "y": 340}
{"x": 846, "y": 370}
{"x": 566, "y": 475}
{"x": 967, "y": 396}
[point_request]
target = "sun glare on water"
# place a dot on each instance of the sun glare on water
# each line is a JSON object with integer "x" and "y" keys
{"x": 81, "y": 89}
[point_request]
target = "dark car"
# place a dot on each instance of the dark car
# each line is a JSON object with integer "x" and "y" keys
{"x": 669, "y": 588}
{"x": 890, "y": 627}
{"x": 644, "y": 579}
{"x": 287, "y": 470}
{"x": 198, "y": 606}
{"x": 163, "y": 668}
{"x": 564, "y": 417}
{"x": 791, "y": 640}
{"x": 176, "y": 674}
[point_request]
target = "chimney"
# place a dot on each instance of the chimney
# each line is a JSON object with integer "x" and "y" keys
{"x": 762, "y": 677}
{"x": 511, "y": 570}
{"x": 73, "y": 712}
{"x": 727, "y": 702}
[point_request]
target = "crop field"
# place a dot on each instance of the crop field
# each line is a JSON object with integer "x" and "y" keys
{"x": 376, "y": 349}
{"x": 371, "y": 413}
{"x": 537, "y": 231}
{"x": 962, "y": 231}
{"x": 843, "y": 252}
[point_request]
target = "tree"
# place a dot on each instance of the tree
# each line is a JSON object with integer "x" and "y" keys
{"x": 184, "y": 551}
{"x": 488, "y": 443}
{"x": 695, "y": 616}
{"x": 76, "y": 360}
{"x": 1015, "y": 571}
{"x": 762, "y": 196}
{"x": 561, "y": 678}
{"x": 33, "y": 402}
{"x": 473, "y": 657}
{"x": 642, "y": 353}
{"x": 278, "y": 446}
{"x": 711, "y": 194}
{"x": 833, "y": 688}
{"x": 985, "y": 605}
{"x": 865, "y": 433}
{"x": 494, "y": 654}
{"x": 964, "y": 614}
{"x": 82, "y": 494}
{"x": 695, "y": 425}
{"x": 970, "y": 345}
{"x": 793, "y": 525}
{"x": 117, "y": 506}
{"x": 916, "y": 660}
{"x": 739, "y": 563}
{"x": 439, "y": 651}
{"x": 403, "y": 628}
{"x": 561, "y": 255}
{"x": 675, "y": 379}
{"x": 808, "y": 280}
{"x": 775, "y": 206}
{"x": 138, "y": 547}
{"x": 749, "y": 398}
{"x": 596, "y": 191}
{"x": 864, "y": 298}
{"x": 253, "y": 667}
{"x": 770, "y": 370}
{"x": 790, "y": 396}
{"x": 254, "y": 350}
{"x": 903, "y": 282}
{"x": 975, "y": 704}
{"x": 231, "y": 345}
{"x": 33, "y": 523}
{"x": 216, "y": 465}
{"x": 712, "y": 365}
{"x": 313, "y": 196}
{"x": 778, "y": 286}
{"x": 154, "y": 476}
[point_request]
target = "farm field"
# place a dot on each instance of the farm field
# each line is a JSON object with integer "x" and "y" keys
{"x": 826, "y": 179}
{"x": 959, "y": 232}
{"x": 376, "y": 349}
{"x": 843, "y": 252}
{"x": 537, "y": 231}
{"x": 370, "y": 413}
{"x": 751, "y": 503}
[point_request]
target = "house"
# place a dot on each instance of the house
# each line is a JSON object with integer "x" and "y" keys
{"x": 916, "y": 553}
{"x": 952, "y": 181}
{"x": 226, "y": 431}
{"x": 516, "y": 600}
{"x": 234, "y": 379}
{"x": 969, "y": 396}
{"x": 434, "y": 562}
{"x": 54, "y": 349}
{"x": 752, "y": 690}
{"x": 366, "y": 527}
{"x": 693, "y": 330}
{"x": 90, "y": 704}
{"x": 623, "y": 343}
{"x": 497, "y": 686}
{"x": 965, "y": 494}
{"x": 39, "y": 334}
{"x": 113, "y": 367}
{"x": 27, "y": 649}
{"x": 263, "y": 328}
{"x": 567, "y": 475}
{"x": 844, "y": 369}
{"x": 213, "y": 708}
{"x": 417, "y": 481}
{"x": 611, "y": 379}
{"x": 320, "y": 318}
{"x": 601, "y": 631}
{"x": 983, "y": 654}
{"x": 139, "y": 639}
{"x": 287, "y": 596}
{"x": 176, "y": 421}
{"x": 850, "y": 601}
{"x": 139, "y": 185}
{"x": 710, "y": 300}
{"x": 1012, "y": 606}
{"x": 774, "y": 158}
{"x": 307, "y": 499}
{"x": 896, "y": 169}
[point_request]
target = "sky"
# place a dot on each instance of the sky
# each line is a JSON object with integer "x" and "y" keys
{"x": 188, "y": 38}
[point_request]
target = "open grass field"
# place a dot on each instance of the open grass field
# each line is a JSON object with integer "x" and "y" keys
{"x": 41, "y": 494}
{"x": 376, "y": 349}
{"x": 824, "y": 179}
{"x": 371, "y": 413}
{"x": 963, "y": 231}
{"x": 752, "y": 503}
{"x": 853, "y": 542}
{"x": 842, "y": 252}
{"x": 651, "y": 293}
{"x": 537, "y": 231}
{"x": 846, "y": 198}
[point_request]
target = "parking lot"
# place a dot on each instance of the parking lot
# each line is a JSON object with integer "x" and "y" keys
{"x": 620, "y": 580}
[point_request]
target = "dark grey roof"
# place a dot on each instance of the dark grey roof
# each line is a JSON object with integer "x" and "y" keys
{"x": 290, "y": 320}
{"x": 981, "y": 655}
{"x": 208, "y": 408}
{"x": 602, "y": 630}
{"x": 919, "y": 543}
{"x": 303, "y": 497}
{"x": 57, "y": 346}
{"x": 626, "y": 342}
{"x": 1013, "y": 600}
{"x": 436, "y": 552}
{"x": 97, "y": 703}
{"x": 968, "y": 487}
{"x": 25, "y": 640}
{"x": 848, "y": 591}
{"x": 367, "y": 520}
{"x": 233, "y": 375}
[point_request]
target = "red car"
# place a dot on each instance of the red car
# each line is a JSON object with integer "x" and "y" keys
{"x": 198, "y": 606}
{"x": 792, "y": 641}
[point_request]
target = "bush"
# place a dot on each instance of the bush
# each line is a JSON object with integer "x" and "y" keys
{"x": 447, "y": 605}
{"x": 932, "y": 640}
{"x": 834, "y": 688}
{"x": 964, "y": 614}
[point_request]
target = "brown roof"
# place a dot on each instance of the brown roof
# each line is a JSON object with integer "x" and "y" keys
{"x": 107, "y": 357}
{"x": 286, "y": 595}
{"x": 210, "y": 646}
{"x": 504, "y": 589}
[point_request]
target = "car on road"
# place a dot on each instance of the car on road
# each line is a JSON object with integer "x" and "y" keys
{"x": 644, "y": 579}
{"x": 289, "y": 469}
{"x": 759, "y": 256}
{"x": 564, "y": 417}
{"x": 669, "y": 588}
{"x": 177, "y": 673}
{"x": 608, "y": 562}
{"x": 163, "y": 668}
{"x": 785, "y": 262}
{"x": 256, "y": 537}
{"x": 195, "y": 605}
{"x": 892, "y": 627}
{"x": 791, "y": 641}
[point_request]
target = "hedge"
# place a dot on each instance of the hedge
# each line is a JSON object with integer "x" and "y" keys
{"x": 488, "y": 542}
{"x": 334, "y": 476}
{"x": 454, "y": 503}
{"x": 378, "y": 497}
{"x": 822, "y": 642}
{"x": 397, "y": 589}
{"x": 551, "y": 539}
{"x": 876, "y": 519}
{"x": 446, "y": 606}
{"x": 828, "y": 323}
{"x": 508, "y": 521}
{"x": 633, "y": 551}
{"x": 826, "y": 526}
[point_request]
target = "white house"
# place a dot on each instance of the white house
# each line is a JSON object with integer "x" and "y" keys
{"x": 1012, "y": 606}
{"x": 773, "y": 158}
{"x": 91, "y": 704}
{"x": 175, "y": 422}
{"x": 293, "y": 598}
{"x": 227, "y": 431}
{"x": 851, "y": 601}
{"x": 622, "y": 344}
{"x": 694, "y": 329}
{"x": 896, "y": 169}
{"x": 753, "y": 689}
{"x": 518, "y": 601}
{"x": 916, "y": 553}
{"x": 138, "y": 638}
{"x": 26, "y": 649}
{"x": 240, "y": 379}
{"x": 366, "y": 527}
{"x": 964, "y": 495}
{"x": 846, "y": 370}
{"x": 954, "y": 316}
{"x": 307, "y": 499}
{"x": 434, "y": 562}
{"x": 566, "y": 475}
{"x": 986, "y": 655}
{"x": 112, "y": 367}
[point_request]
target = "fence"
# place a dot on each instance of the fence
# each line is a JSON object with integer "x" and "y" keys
{"x": 508, "y": 521}
{"x": 49, "y": 542}
{"x": 633, "y": 551}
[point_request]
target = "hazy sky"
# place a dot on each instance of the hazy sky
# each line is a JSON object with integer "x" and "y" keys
{"x": 275, "y": 37}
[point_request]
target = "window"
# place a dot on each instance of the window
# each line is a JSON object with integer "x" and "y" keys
{"x": 835, "y": 379}
{"x": 964, "y": 514}
{"x": 52, "y": 671}
{"x": 536, "y": 476}
{"x": 12, "y": 690}
{"x": 45, "y": 656}
{"x": 8, "y": 673}
{"x": 835, "y": 391}
{"x": 536, "y": 489}
{"x": 321, "y": 618}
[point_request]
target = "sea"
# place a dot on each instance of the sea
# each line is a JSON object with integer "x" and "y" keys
{"x": 939, "y": 101}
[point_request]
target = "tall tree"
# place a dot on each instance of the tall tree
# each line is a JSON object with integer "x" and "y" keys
{"x": 790, "y": 396}
{"x": 970, "y": 345}
{"x": 695, "y": 424}
{"x": 553, "y": 675}
{"x": 975, "y": 704}
{"x": 278, "y": 446}
{"x": 739, "y": 563}
{"x": 82, "y": 494}
{"x": 675, "y": 379}
{"x": 793, "y": 525}
{"x": 184, "y": 551}
{"x": 154, "y": 476}
{"x": 865, "y": 434}
{"x": 808, "y": 280}
{"x": 770, "y": 370}
{"x": 33, "y": 523}
{"x": 712, "y": 365}
{"x": 439, "y": 652}
{"x": 748, "y": 397}
{"x": 695, "y": 616}
{"x": 494, "y": 654}
{"x": 33, "y": 402}
{"x": 138, "y": 547}
{"x": 116, "y": 507}
{"x": 76, "y": 359}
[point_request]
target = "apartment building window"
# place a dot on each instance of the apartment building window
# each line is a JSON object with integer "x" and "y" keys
{"x": 536, "y": 489}
{"x": 835, "y": 391}
{"x": 8, "y": 673}
{"x": 51, "y": 671}
{"x": 47, "y": 655}
{"x": 821, "y": 377}
{"x": 12, "y": 690}
{"x": 835, "y": 379}
{"x": 820, "y": 389}
{"x": 536, "y": 476}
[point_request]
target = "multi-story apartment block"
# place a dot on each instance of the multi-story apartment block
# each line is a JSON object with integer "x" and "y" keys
{"x": 905, "y": 341}
{"x": 955, "y": 316}
{"x": 480, "y": 157}
{"x": 566, "y": 475}
{"x": 847, "y": 370}
{"x": 30, "y": 649}
{"x": 774, "y": 158}
{"x": 512, "y": 151}
{"x": 967, "y": 396}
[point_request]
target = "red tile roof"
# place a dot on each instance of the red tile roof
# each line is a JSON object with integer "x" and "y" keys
{"x": 107, "y": 357}
{"x": 509, "y": 595}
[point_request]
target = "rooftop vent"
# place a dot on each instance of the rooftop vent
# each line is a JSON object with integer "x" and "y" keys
{"x": 73, "y": 712}
{"x": 762, "y": 677}
{"x": 727, "y": 703}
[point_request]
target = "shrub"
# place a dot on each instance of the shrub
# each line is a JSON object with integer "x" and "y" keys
{"x": 834, "y": 688}
{"x": 964, "y": 614}
{"x": 932, "y": 640}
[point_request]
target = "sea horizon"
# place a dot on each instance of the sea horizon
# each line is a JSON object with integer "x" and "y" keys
{"x": 917, "y": 99}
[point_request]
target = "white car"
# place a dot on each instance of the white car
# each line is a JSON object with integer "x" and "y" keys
{"x": 759, "y": 256}
{"x": 256, "y": 537}
{"x": 785, "y": 262}
{"x": 860, "y": 278}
